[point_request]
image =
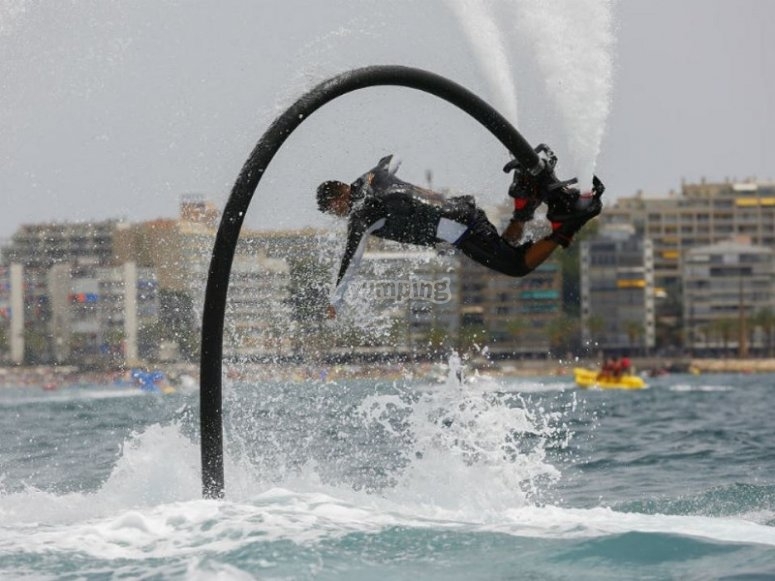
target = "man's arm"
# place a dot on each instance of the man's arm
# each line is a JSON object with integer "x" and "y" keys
{"x": 358, "y": 231}
{"x": 539, "y": 252}
{"x": 536, "y": 253}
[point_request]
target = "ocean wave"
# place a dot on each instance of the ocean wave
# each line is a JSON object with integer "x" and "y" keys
{"x": 281, "y": 531}
{"x": 755, "y": 502}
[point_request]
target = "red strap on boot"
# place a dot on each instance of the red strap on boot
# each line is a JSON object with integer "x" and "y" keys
{"x": 560, "y": 234}
{"x": 520, "y": 203}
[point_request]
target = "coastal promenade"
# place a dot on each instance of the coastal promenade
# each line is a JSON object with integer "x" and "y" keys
{"x": 54, "y": 377}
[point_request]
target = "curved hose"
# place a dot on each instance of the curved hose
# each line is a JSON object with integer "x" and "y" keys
{"x": 210, "y": 396}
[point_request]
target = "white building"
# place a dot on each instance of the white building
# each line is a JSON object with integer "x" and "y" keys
{"x": 726, "y": 285}
{"x": 258, "y": 321}
{"x": 617, "y": 290}
{"x": 97, "y": 312}
{"x": 12, "y": 312}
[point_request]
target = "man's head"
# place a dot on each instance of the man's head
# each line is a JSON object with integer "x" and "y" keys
{"x": 334, "y": 198}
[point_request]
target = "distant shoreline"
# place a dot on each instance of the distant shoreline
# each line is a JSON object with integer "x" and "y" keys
{"x": 61, "y": 376}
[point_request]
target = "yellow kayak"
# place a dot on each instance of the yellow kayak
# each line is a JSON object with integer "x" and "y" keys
{"x": 588, "y": 378}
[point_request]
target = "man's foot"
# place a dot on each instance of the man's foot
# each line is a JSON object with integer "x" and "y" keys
{"x": 530, "y": 189}
{"x": 570, "y": 205}
{"x": 526, "y": 192}
{"x": 569, "y": 210}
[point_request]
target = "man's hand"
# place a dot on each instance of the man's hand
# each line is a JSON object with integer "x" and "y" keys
{"x": 331, "y": 312}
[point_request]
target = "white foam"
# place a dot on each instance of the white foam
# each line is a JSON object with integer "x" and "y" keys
{"x": 467, "y": 448}
{"x": 30, "y": 396}
{"x": 465, "y": 479}
{"x": 156, "y": 467}
{"x": 683, "y": 387}
{"x": 189, "y": 529}
{"x": 555, "y": 522}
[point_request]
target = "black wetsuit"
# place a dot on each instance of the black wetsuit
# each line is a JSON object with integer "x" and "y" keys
{"x": 390, "y": 208}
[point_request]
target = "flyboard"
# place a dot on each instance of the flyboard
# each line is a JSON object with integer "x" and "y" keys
{"x": 540, "y": 162}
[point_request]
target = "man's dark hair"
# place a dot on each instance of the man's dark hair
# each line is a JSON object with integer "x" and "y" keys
{"x": 328, "y": 191}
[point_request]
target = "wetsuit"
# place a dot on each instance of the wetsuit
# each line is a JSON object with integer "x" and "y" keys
{"x": 387, "y": 207}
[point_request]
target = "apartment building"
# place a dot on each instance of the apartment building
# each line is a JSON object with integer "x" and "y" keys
{"x": 77, "y": 304}
{"x": 99, "y": 314}
{"x": 36, "y": 249}
{"x": 12, "y": 313}
{"x": 511, "y": 316}
{"x": 726, "y": 286}
{"x": 700, "y": 214}
{"x": 39, "y": 246}
{"x": 258, "y": 323}
{"x": 5, "y": 312}
{"x": 617, "y": 291}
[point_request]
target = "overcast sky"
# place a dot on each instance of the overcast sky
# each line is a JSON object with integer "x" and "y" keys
{"x": 115, "y": 108}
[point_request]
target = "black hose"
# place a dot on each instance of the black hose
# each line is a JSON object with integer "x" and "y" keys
{"x": 210, "y": 396}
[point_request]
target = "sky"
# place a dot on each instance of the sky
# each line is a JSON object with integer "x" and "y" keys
{"x": 115, "y": 109}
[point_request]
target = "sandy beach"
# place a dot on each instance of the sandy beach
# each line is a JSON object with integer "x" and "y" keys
{"x": 57, "y": 376}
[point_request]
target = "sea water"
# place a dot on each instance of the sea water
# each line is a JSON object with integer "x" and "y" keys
{"x": 395, "y": 479}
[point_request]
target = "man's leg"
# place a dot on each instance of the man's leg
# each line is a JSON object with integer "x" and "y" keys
{"x": 513, "y": 231}
{"x": 484, "y": 244}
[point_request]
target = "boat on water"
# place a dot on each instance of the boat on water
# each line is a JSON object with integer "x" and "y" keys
{"x": 154, "y": 381}
{"x": 591, "y": 378}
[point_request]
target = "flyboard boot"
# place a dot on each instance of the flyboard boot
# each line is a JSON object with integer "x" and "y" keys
{"x": 532, "y": 186}
{"x": 568, "y": 209}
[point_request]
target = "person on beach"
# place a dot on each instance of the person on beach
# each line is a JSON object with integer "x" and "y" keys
{"x": 381, "y": 204}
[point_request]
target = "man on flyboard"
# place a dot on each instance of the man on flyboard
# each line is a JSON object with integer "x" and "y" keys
{"x": 380, "y": 204}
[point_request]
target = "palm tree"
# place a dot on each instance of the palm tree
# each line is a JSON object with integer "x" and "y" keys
{"x": 726, "y": 329}
{"x": 471, "y": 336}
{"x": 516, "y": 327}
{"x": 765, "y": 318}
{"x": 634, "y": 330}
{"x": 36, "y": 347}
{"x": 438, "y": 339}
{"x": 564, "y": 333}
{"x": 596, "y": 326}
{"x": 703, "y": 336}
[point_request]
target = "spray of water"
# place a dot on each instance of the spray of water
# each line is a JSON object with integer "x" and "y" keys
{"x": 470, "y": 450}
{"x": 11, "y": 11}
{"x": 481, "y": 29}
{"x": 572, "y": 42}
